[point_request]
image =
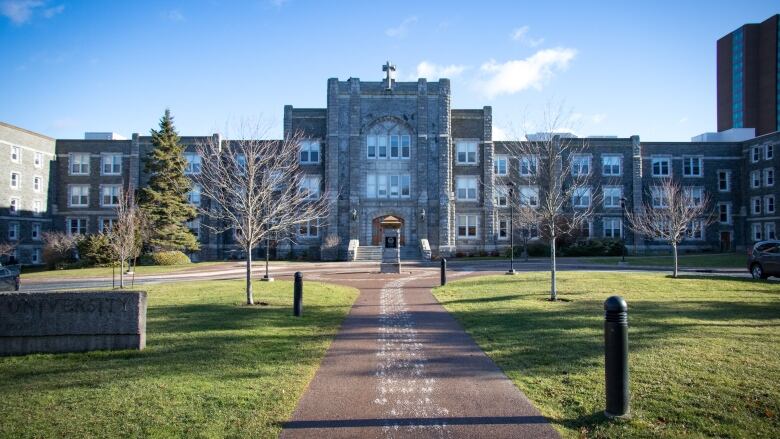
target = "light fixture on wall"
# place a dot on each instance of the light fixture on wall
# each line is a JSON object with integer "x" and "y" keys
{"x": 354, "y": 214}
{"x": 422, "y": 214}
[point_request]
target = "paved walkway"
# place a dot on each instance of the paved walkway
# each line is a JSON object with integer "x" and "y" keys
{"x": 401, "y": 366}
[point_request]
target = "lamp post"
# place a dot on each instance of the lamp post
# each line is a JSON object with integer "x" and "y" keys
{"x": 511, "y": 229}
{"x": 622, "y": 226}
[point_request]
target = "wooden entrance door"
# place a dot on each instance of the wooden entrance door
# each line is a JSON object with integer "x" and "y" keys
{"x": 725, "y": 241}
{"x": 376, "y": 237}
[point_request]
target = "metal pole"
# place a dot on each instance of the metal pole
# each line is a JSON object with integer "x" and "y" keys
{"x": 616, "y": 356}
{"x": 443, "y": 271}
{"x": 298, "y": 295}
{"x": 267, "y": 255}
{"x": 622, "y": 226}
{"x": 511, "y": 233}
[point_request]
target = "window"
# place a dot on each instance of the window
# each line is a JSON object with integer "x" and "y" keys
{"x": 724, "y": 213}
{"x": 37, "y": 208}
{"x": 466, "y": 152}
{"x": 400, "y": 146}
{"x": 529, "y": 196}
{"x": 769, "y": 231}
{"x": 694, "y": 196}
{"x": 466, "y": 188}
{"x": 111, "y": 163}
{"x": 37, "y": 183}
{"x": 35, "y": 257}
{"x": 769, "y": 152}
{"x": 586, "y": 229}
{"x": 500, "y": 165}
{"x": 194, "y": 227}
{"x": 79, "y": 163}
{"x": 77, "y": 226}
{"x": 79, "y": 196}
{"x": 16, "y": 180}
{"x": 310, "y": 151}
{"x": 661, "y": 166}
{"x": 16, "y": 154}
{"x": 193, "y": 196}
{"x": 613, "y": 228}
{"x": 395, "y": 147}
{"x": 381, "y": 145}
{"x": 109, "y": 195}
{"x": 502, "y": 229}
{"x": 658, "y": 198}
{"x": 755, "y": 155}
{"x": 406, "y": 186}
{"x": 467, "y": 226}
{"x": 612, "y": 196}
{"x": 38, "y": 160}
{"x": 724, "y": 181}
{"x": 14, "y": 205}
{"x": 528, "y": 165}
{"x": 35, "y": 232}
{"x": 500, "y": 196}
{"x": 394, "y": 186}
{"x": 106, "y": 224}
{"x": 695, "y": 230}
{"x": 756, "y": 203}
{"x": 581, "y": 197}
{"x": 755, "y": 179}
{"x": 531, "y": 232}
{"x": 13, "y": 231}
{"x": 309, "y": 229}
{"x": 382, "y": 186}
{"x": 193, "y": 163}
{"x": 311, "y": 185}
{"x": 611, "y": 165}
{"x": 692, "y": 166}
{"x": 406, "y": 146}
{"x": 580, "y": 165}
{"x": 769, "y": 177}
{"x": 756, "y": 232}
{"x": 769, "y": 204}
{"x": 371, "y": 146}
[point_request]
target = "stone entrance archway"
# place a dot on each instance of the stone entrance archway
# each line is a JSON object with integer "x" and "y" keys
{"x": 376, "y": 227}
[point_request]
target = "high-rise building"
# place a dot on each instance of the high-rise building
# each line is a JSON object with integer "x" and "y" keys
{"x": 749, "y": 77}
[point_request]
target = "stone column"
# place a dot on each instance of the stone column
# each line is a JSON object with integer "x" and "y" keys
{"x": 446, "y": 196}
{"x": 487, "y": 179}
{"x": 636, "y": 184}
{"x": 355, "y": 156}
{"x": 421, "y": 158}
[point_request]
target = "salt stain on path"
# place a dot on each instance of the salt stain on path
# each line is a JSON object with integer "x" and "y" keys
{"x": 403, "y": 389}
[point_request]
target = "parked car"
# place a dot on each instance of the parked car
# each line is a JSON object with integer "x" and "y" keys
{"x": 764, "y": 259}
{"x": 10, "y": 280}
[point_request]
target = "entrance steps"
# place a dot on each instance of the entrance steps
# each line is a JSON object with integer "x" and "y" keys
{"x": 374, "y": 253}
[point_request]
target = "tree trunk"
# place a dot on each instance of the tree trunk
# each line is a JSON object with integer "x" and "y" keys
{"x": 250, "y": 300}
{"x": 121, "y": 273}
{"x": 674, "y": 253}
{"x": 553, "y": 285}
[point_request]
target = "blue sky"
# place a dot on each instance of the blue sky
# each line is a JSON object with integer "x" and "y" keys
{"x": 622, "y": 68}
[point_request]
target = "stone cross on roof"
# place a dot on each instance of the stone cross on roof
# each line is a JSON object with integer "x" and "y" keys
{"x": 389, "y": 68}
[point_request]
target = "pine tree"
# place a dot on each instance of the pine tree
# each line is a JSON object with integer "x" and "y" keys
{"x": 164, "y": 199}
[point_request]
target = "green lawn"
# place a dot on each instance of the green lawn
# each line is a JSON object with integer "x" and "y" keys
{"x": 704, "y": 351}
{"x": 212, "y": 368}
{"x": 141, "y": 270}
{"x": 716, "y": 260}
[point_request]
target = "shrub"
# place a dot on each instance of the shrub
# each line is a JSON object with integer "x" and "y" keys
{"x": 538, "y": 249}
{"x": 95, "y": 250}
{"x": 58, "y": 248}
{"x": 169, "y": 258}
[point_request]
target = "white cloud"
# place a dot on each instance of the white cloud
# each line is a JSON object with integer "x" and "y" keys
{"x": 175, "y": 15}
{"x": 683, "y": 120}
{"x": 521, "y": 35}
{"x": 402, "y": 29}
{"x": 22, "y": 11}
{"x": 598, "y": 118}
{"x": 51, "y": 12}
{"x": 499, "y": 133}
{"x": 517, "y": 75}
{"x": 432, "y": 71}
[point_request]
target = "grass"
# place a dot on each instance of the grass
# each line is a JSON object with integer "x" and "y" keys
{"x": 712, "y": 260}
{"x": 704, "y": 351}
{"x": 141, "y": 270}
{"x": 212, "y": 368}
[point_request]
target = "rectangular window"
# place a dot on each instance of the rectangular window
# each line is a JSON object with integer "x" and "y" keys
{"x": 77, "y": 226}
{"x": 381, "y": 186}
{"x": 371, "y": 186}
{"x": 193, "y": 163}
{"x": 528, "y": 165}
{"x": 79, "y": 163}
{"x": 406, "y": 186}
{"x": 394, "y": 186}
{"x": 658, "y": 197}
{"x": 16, "y": 154}
{"x": 694, "y": 196}
{"x": 502, "y": 229}
{"x": 311, "y": 185}
{"x": 724, "y": 181}
{"x": 309, "y": 229}
{"x": 79, "y": 195}
{"x": 109, "y": 195}
{"x": 16, "y": 180}
{"x": 755, "y": 202}
{"x": 500, "y": 196}
{"x": 769, "y": 177}
{"x": 395, "y": 146}
{"x": 529, "y": 196}
{"x": 37, "y": 183}
{"x": 13, "y": 231}
{"x": 466, "y": 188}
{"x": 466, "y": 152}
{"x": 581, "y": 197}
{"x": 381, "y": 144}
{"x": 37, "y": 208}
{"x": 310, "y": 152}
{"x": 35, "y": 257}
{"x": 406, "y": 146}
{"x": 467, "y": 226}
{"x": 193, "y": 196}
{"x": 111, "y": 163}
{"x": 106, "y": 224}
{"x": 695, "y": 230}
{"x": 586, "y": 229}
{"x": 38, "y": 160}
{"x": 662, "y": 166}
{"x": 580, "y": 165}
{"x": 35, "y": 232}
{"x": 612, "y": 196}
{"x": 755, "y": 179}
{"x": 724, "y": 213}
{"x": 611, "y": 165}
{"x": 769, "y": 231}
{"x": 769, "y": 204}
{"x": 756, "y": 228}
{"x": 194, "y": 227}
{"x": 14, "y": 205}
{"x": 755, "y": 155}
{"x": 500, "y": 165}
{"x": 692, "y": 166}
{"x": 613, "y": 228}
{"x": 371, "y": 146}
{"x": 769, "y": 150}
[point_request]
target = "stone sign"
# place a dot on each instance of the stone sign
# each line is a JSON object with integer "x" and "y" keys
{"x": 71, "y": 321}
{"x": 391, "y": 242}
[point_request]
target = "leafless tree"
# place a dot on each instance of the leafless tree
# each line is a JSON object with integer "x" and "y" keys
{"x": 256, "y": 188}
{"x": 567, "y": 194}
{"x": 526, "y": 219}
{"x": 123, "y": 237}
{"x": 7, "y": 248}
{"x": 58, "y": 246}
{"x": 672, "y": 213}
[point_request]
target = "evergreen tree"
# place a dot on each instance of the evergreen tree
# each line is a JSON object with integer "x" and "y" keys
{"x": 164, "y": 199}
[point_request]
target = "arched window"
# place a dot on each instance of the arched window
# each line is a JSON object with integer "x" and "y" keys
{"x": 388, "y": 140}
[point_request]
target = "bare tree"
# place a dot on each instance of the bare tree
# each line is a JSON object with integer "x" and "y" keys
{"x": 553, "y": 165}
{"x": 526, "y": 220}
{"x": 7, "y": 248}
{"x": 58, "y": 246}
{"x": 123, "y": 237}
{"x": 257, "y": 188}
{"x": 672, "y": 214}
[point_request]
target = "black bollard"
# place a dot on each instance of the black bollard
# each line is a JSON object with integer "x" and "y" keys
{"x": 443, "y": 271}
{"x": 298, "y": 295}
{"x": 616, "y": 356}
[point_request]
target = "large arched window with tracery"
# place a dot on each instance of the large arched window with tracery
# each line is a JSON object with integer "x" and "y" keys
{"x": 388, "y": 140}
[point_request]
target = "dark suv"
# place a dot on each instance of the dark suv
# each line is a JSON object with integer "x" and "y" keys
{"x": 764, "y": 259}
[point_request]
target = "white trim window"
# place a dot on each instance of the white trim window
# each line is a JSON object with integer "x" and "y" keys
{"x": 695, "y": 230}
{"x": 661, "y": 166}
{"x": 468, "y": 226}
{"x": 37, "y": 183}
{"x": 76, "y": 226}
{"x": 35, "y": 256}
{"x": 657, "y": 197}
{"x": 611, "y": 165}
{"x": 193, "y": 196}
{"x": 693, "y": 166}
{"x": 500, "y": 165}
{"x": 613, "y": 227}
{"x": 502, "y": 229}
{"x": 14, "y": 205}
{"x": 755, "y": 179}
{"x": 755, "y": 202}
{"x": 16, "y": 180}
{"x": 13, "y": 231}
{"x": 757, "y": 232}
{"x": 38, "y": 159}
{"x": 79, "y": 163}
{"x": 388, "y": 186}
{"x": 755, "y": 155}
{"x": 406, "y": 146}
{"x": 724, "y": 180}
{"x": 466, "y": 188}
{"x": 769, "y": 177}
{"x": 586, "y": 229}
{"x": 466, "y": 152}
{"x": 724, "y": 213}
{"x": 35, "y": 232}
{"x": 581, "y": 197}
{"x": 501, "y": 196}
{"x": 612, "y": 196}
{"x": 37, "y": 208}
{"x": 528, "y": 165}
{"x": 529, "y": 196}
{"x": 769, "y": 231}
{"x": 111, "y": 163}
{"x": 193, "y": 164}
{"x": 106, "y": 224}
{"x": 580, "y": 165}
{"x": 769, "y": 151}
{"x": 310, "y": 152}
{"x": 16, "y": 154}
{"x": 109, "y": 195}
{"x": 310, "y": 184}
{"x": 194, "y": 226}
{"x": 309, "y": 229}
{"x": 78, "y": 195}
{"x": 769, "y": 204}
{"x": 694, "y": 195}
